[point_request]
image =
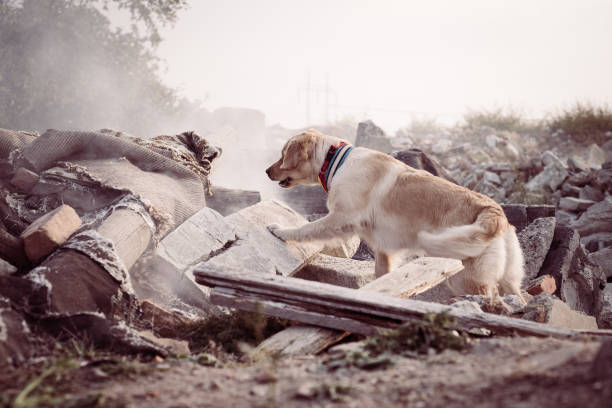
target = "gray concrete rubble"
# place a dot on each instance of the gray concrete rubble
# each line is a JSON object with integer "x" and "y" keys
{"x": 338, "y": 271}
{"x": 535, "y": 242}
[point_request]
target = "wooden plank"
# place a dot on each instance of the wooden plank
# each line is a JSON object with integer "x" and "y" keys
{"x": 410, "y": 279}
{"x": 338, "y": 301}
{"x": 415, "y": 277}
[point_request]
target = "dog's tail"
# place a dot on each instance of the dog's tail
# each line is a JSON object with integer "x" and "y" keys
{"x": 465, "y": 241}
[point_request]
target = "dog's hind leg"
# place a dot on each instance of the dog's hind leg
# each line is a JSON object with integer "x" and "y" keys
{"x": 514, "y": 270}
{"x": 382, "y": 263}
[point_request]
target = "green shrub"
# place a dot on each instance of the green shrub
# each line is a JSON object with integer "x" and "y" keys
{"x": 583, "y": 122}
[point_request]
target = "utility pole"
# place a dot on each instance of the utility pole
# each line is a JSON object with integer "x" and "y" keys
{"x": 315, "y": 91}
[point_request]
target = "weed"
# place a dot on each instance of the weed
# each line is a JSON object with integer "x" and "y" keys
{"x": 583, "y": 122}
{"x": 229, "y": 331}
{"x": 409, "y": 340}
{"x": 502, "y": 119}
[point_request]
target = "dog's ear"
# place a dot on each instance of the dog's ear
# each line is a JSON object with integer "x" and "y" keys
{"x": 297, "y": 151}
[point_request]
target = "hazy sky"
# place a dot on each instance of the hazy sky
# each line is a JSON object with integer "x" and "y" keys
{"x": 390, "y": 60}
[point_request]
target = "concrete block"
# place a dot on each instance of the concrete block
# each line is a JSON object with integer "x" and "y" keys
{"x": 338, "y": 271}
{"x": 50, "y": 231}
{"x": 24, "y": 179}
{"x": 545, "y": 309}
{"x": 161, "y": 321}
{"x": 344, "y": 248}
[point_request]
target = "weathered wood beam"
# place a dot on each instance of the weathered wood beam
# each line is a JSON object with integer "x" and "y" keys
{"x": 375, "y": 307}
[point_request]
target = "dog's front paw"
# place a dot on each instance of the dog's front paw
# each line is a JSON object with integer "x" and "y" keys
{"x": 277, "y": 231}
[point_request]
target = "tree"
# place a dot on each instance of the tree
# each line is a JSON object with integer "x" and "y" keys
{"x": 62, "y": 65}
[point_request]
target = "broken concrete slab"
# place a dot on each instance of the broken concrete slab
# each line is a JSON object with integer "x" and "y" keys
{"x": 535, "y": 240}
{"x": 257, "y": 249}
{"x": 50, "y": 231}
{"x": 550, "y": 178}
{"x": 227, "y": 201}
{"x": 545, "y": 309}
{"x": 196, "y": 239}
{"x": 306, "y": 200}
{"x": 24, "y": 179}
{"x": 597, "y": 241}
{"x": 338, "y": 271}
{"x": 371, "y": 136}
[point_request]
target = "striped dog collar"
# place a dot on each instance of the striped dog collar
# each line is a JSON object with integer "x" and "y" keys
{"x": 334, "y": 159}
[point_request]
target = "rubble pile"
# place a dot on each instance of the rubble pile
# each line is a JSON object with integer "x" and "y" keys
{"x": 102, "y": 235}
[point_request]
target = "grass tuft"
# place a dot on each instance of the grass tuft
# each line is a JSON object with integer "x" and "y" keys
{"x": 583, "y": 122}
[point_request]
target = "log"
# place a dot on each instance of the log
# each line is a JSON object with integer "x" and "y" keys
{"x": 409, "y": 280}
{"x": 365, "y": 306}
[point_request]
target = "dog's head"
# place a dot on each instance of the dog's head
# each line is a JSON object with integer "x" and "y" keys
{"x": 296, "y": 165}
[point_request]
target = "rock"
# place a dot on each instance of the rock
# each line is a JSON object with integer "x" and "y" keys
{"x": 565, "y": 217}
{"x": 548, "y": 179}
{"x": 6, "y": 268}
{"x": 603, "y": 177}
{"x": 467, "y": 306}
{"x": 580, "y": 179}
{"x": 539, "y": 211}
{"x": 604, "y": 319}
{"x": 16, "y": 341}
{"x": 176, "y": 347}
{"x": 597, "y": 241}
{"x": 256, "y": 249}
{"x": 364, "y": 252}
{"x": 227, "y": 201}
{"x": 103, "y": 333}
{"x": 491, "y": 177}
{"x": 338, "y": 271}
{"x": 24, "y": 179}
{"x": 161, "y": 321}
{"x": 491, "y": 190}
{"x": 574, "y": 204}
{"x": 603, "y": 258}
{"x": 578, "y": 281}
{"x": 590, "y": 193}
{"x": 417, "y": 159}
{"x": 545, "y": 309}
{"x": 535, "y": 242}
{"x": 598, "y": 218}
{"x": 441, "y": 146}
{"x": 567, "y": 190}
{"x": 371, "y": 136}
{"x": 577, "y": 164}
{"x": 551, "y": 177}
{"x": 542, "y": 284}
{"x": 50, "y": 231}
{"x": 594, "y": 156}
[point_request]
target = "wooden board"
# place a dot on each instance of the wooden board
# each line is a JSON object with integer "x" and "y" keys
{"x": 365, "y": 306}
{"x": 410, "y": 279}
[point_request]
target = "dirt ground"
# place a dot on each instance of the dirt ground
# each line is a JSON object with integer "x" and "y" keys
{"x": 498, "y": 372}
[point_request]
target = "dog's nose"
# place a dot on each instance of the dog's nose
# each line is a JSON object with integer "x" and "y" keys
{"x": 268, "y": 170}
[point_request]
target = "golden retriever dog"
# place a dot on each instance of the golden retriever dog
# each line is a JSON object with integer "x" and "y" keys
{"x": 395, "y": 208}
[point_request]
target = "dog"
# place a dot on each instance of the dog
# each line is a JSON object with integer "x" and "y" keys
{"x": 395, "y": 208}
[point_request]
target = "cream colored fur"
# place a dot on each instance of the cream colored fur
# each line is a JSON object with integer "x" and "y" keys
{"x": 396, "y": 208}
